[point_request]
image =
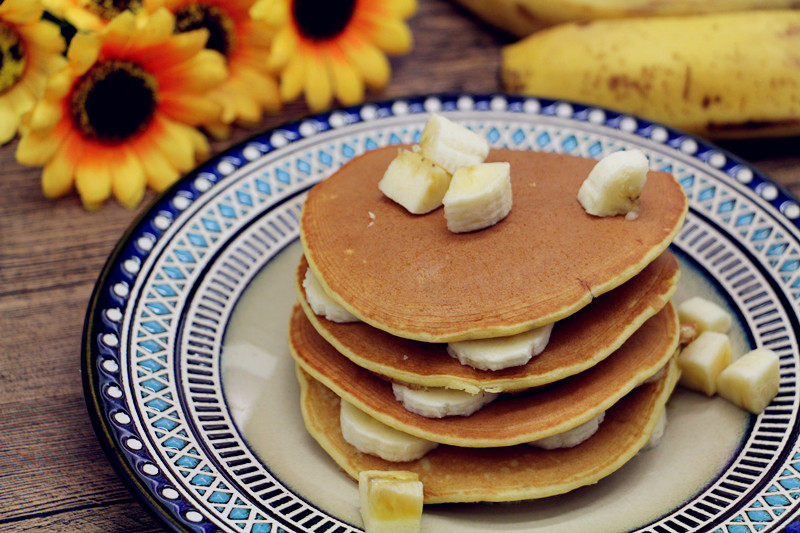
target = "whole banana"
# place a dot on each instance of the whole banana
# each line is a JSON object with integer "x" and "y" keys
{"x": 731, "y": 75}
{"x": 523, "y": 17}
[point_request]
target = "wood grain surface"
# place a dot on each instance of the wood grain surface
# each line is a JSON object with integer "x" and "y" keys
{"x": 53, "y": 474}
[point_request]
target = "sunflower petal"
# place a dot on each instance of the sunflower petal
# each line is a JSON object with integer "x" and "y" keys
{"x": 44, "y": 36}
{"x": 45, "y": 115}
{"x": 369, "y": 61}
{"x": 218, "y": 130}
{"x": 128, "y": 179}
{"x": 159, "y": 172}
{"x": 20, "y": 11}
{"x": 189, "y": 108}
{"x": 9, "y": 122}
{"x": 317, "y": 85}
{"x": 347, "y": 82}
{"x": 261, "y": 87}
{"x": 402, "y": 8}
{"x": 175, "y": 145}
{"x": 93, "y": 178}
{"x": 273, "y": 12}
{"x": 83, "y": 51}
{"x": 58, "y": 173}
{"x": 391, "y": 35}
{"x": 59, "y": 84}
{"x": 283, "y": 46}
{"x": 292, "y": 78}
{"x": 37, "y": 148}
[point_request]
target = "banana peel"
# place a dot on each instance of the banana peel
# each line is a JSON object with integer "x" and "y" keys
{"x": 731, "y": 75}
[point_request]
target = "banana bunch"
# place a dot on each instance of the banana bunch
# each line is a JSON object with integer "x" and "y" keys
{"x": 722, "y": 75}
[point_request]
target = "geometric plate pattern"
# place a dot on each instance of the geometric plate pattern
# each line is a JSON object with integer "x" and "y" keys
{"x": 158, "y": 314}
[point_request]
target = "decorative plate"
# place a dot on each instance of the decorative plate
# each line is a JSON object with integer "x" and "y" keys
{"x": 193, "y": 395}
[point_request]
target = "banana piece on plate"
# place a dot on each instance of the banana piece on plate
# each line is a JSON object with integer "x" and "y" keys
{"x": 704, "y": 314}
{"x": 501, "y": 352}
{"x": 414, "y": 182}
{"x": 391, "y": 501}
{"x": 658, "y": 431}
{"x": 371, "y": 436}
{"x": 450, "y": 145}
{"x": 702, "y": 361}
{"x": 321, "y": 303}
{"x": 752, "y": 381}
{"x": 570, "y": 438}
{"x": 479, "y": 196}
{"x": 614, "y": 185}
{"x": 440, "y": 402}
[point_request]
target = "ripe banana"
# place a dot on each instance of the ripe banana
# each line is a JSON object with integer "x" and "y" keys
{"x": 414, "y": 182}
{"x": 702, "y": 361}
{"x": 570, "y": 438}
{"x": 479, "y": 196}
{"x": 727, "y": 75}
{"x": 451, "y": 145}
{"x": 501, "y": 352}
{"x": 440, "y": 402}
{"x": 658, "y": 431}
{"x": 321, "y": 303}
{"x": 391, "y": 502}
{"x": 704, "y": 314}
{"x": 523, "y": 17}
{"x": 752, "y": 381}
{"x": 370, "y": 436}
{"x": 614, "y": 184}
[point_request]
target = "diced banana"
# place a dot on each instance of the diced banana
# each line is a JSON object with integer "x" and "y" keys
{"x": 321, "y": 303}
{"x": 703, "y": 359}
{"x": 479, "y": 196}
{"x": 391, "y": 502}
{"x": 371, "y": 436}
{"x": 658, "y": 431}
{"x": 752, "y": 381}
{"x": 414, "y": 182}
{"x": 501, "y": 352}
{"x": 615, "y": 183}
{"x": 440, "y": 402}
{"x": 570, "y": 438}
{"x": 450, "y": 145}
{"x": 704, "y": 314}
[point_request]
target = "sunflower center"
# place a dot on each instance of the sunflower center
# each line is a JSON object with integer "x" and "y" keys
{"x": 12, "y": 57}
{"x": 320, "y": 20}
{"x": 113, "y": 101}
{"x": 216, "y": 21}
{"x": 108, "y": 9}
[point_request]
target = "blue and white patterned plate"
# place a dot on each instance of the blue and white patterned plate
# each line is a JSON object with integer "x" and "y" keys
{"x": 192, "y": 393}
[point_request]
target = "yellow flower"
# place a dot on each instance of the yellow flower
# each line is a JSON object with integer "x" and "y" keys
{"x": 329, "y": 48}
{"x": 30, "y": 50}
{"x": 90, "y": 15}
{"x": 120, "y": 114}
{"x": 250, "y": 88}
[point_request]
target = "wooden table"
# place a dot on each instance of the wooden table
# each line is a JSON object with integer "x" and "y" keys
{"x": 53, "y": 474}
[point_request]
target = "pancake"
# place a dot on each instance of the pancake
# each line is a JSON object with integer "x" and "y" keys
{"x": 411, "y": 277}
{"x": 451, "y": 474}
{"x": 511, "y": 418}
{"x": 576, "y": 343}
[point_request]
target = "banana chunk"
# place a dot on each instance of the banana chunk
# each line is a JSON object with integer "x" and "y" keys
{"x": 391, "y": 501}
{"x": 704, "y": 314}
{"x": 414, "y": 182}
{"x": 658, "y": 431}
{"x": 321, "y": 303}
{"x": 479, "y": 196}
{"x": 440, "y": 402}
{"x": 614, "y": 185}
{"x": 501, "y": 352}
{"x": 570, "y": 438}
{"x": 751, "y": 382}
{"x": 702, "y": 361}
{"x": 450, "y": 145}
{"x": 371, "y": 436}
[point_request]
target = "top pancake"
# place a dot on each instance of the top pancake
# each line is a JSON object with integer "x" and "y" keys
{"x": 410, "y": 276}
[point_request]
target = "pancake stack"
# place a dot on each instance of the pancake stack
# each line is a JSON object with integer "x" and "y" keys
{"x": 604, "y": 283}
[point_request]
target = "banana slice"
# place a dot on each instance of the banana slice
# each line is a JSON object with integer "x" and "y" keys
{"x": 414, "y": 182}
{"x": 501, "y": 352}
{"x": 321, "y": 303}
{"x": 658, "y": 431}
{"x": 702, "y": 361}
{"x": 450, "y": 145}
{"x": 752, "y": 381}
{"x": 614, "y": 185}
{"x": 704, "y": 314}
{"x": 570, "y": 438}
{"x": 479, "y": 196}
{"x": 370, "y": 436}
{"x": 440, "y": 402}
{"x": 391, "y": 502}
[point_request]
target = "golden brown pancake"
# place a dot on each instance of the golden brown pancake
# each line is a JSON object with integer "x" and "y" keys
{"x": 409, "y": 276}
{"x": 452, "y": 474}
{"x": 577, "y": 342}
{"x": 511, "y": 418}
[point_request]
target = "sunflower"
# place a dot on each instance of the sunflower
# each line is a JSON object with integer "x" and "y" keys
{"x": 120, "y": 113}
{"x": 329, "y": 48}
{"x": 30, "y": 50}
{"x": 250, "y": 88}
{"x": 90, "y": 15}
